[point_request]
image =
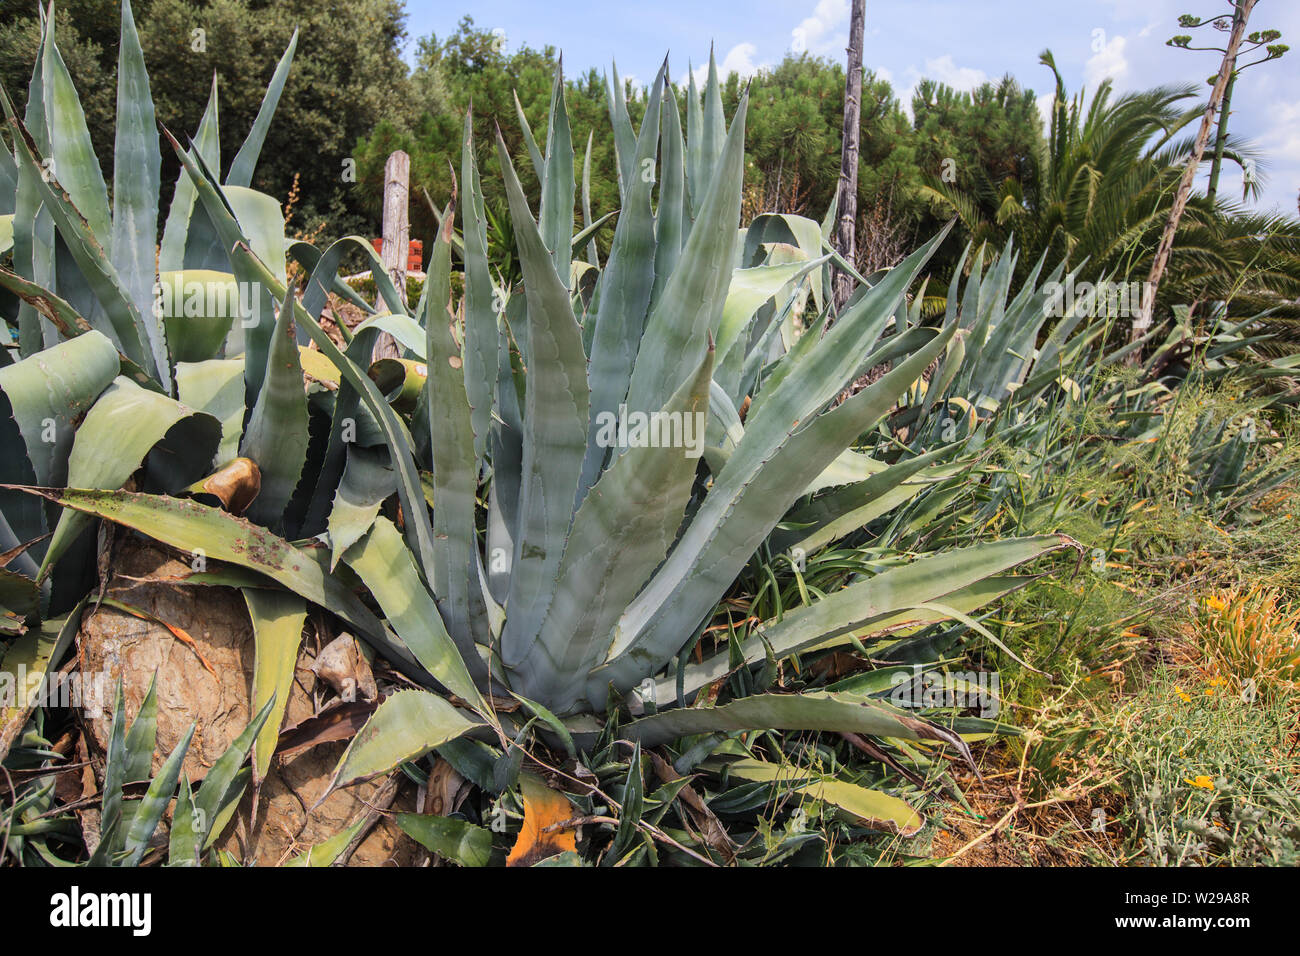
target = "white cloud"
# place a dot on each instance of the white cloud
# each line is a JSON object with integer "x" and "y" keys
{"x": 941, "y": 69}
{"x": 1109, "y": 61}
{"x": 825, "y": 32}
{"x": 946, "y": 71}
{"x": 739, "y": 60}
{"x": 1044, "y": 103}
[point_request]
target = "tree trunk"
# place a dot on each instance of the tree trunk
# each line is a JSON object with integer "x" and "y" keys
{"x": 1143, "y": 322}
{"x": 1221, "y": 136}
{"x": 845, "y": 232}
{"x": 397, "y": 237}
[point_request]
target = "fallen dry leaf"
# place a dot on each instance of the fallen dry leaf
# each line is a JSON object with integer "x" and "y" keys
{"x": 543, "y": 807}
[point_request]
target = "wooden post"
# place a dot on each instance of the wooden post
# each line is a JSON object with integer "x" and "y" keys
{"x": 397, "y": 236}
{"x": 846, "y": 230}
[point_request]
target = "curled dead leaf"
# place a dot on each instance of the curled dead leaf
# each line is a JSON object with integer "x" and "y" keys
{"x": 236, "y": 484}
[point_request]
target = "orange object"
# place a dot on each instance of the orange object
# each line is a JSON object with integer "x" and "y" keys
{"x": 541, "y": 835}
{"x": 414, "y": 253}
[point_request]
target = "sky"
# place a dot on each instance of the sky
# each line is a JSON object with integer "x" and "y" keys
{"x": 960, "y": 42}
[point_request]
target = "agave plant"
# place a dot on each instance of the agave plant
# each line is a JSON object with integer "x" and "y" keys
{"x": 549, "y": 493}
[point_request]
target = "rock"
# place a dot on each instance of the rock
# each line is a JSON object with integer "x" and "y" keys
{"x": 216, "y": 618}
{"x": 344, "y": 667}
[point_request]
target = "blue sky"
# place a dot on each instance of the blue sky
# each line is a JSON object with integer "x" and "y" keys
{"x": 960, "y": 43}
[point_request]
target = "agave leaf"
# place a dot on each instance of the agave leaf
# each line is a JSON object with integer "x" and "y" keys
{"x": 124, "y": 324}
{"x": 67, "y": 321}
{"x": 8, "y": 187}
{"x": 713, "y": 127}
{"x": 678, "y": 327}
{"x": 802, "y": 233}
{"x": 245, "y": 161}
{"x": 749, "y": 289}
{"x": 125, "y": 425}
{"x": 810, "y": 378}
{"x": 58, "y": 388}
{"x": 593, "y": 254}
{"x": 75, "y": 165}
{"x": 185, "y": 841}
{"x": 345, "y": 431}
{"x": 276, "y": 437}
{"x": 408, "y": 485}
{"x": 110, "y": 814}
{"x": 695, "y": 179}
{"x": 224, "y": 783}
{"x": 368, "y": 479}
{"x": 403, "y": 328}
{"x": 331, "y": 848}
{"x": 480, "y": 350}
{"x": 554, "y": 428}
{"x": 451, "y": 441}
{"x": 261, "y": 224}
{"x": 142, "y": 738}
{"x": 136, "y": 185}
{"x": 671, "y": 219}
{"x": 625, "y": 138}
{"x": 406, "y": 726}
{"x": 216, "y": 387}
{"x": 807, "y": 711}
{"x": 278, "y": 618}
{"x": 181, "y": 213}
{"x": 40, "y": 398}
{"x": 872, "y": 808}
{"x": 855, "y": 505}
{"x": 620, "y": 533}
{"x": 155, "y": 802}
{"x": 187, "y": 524}
{"x": 34, "y": 243}
{"x": 555, "y": 217}
{"x": 553, "y": 723}
{"x": 324, "y": 276}
{"x": 197, "y": 308}
{"x": 385, "y": 565}
{"x": 889, "y": 600}
{"x": 849, "y": 467}
{"x": 717, "y": 543}
{"x": 632, "y": 799}
{"x": 32, "y": 654}
{"x": 625, "y": 288}
{"x": 456, "y": 840}
{"x": 19, "y": 595}
{"x": 534, "y": 154}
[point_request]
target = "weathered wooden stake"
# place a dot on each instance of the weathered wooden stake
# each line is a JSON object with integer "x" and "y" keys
{"x": 396, "y": 236}
{"x": 846, "y": 229}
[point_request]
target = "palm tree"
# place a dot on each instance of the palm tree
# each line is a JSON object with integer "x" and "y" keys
{"x": 1106, "y": 180}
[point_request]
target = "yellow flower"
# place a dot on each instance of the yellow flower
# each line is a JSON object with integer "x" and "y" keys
{"x": 1215, "y": 602}
{"x": 1202, "y": 781}
{"x": 1183, "y": 694}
